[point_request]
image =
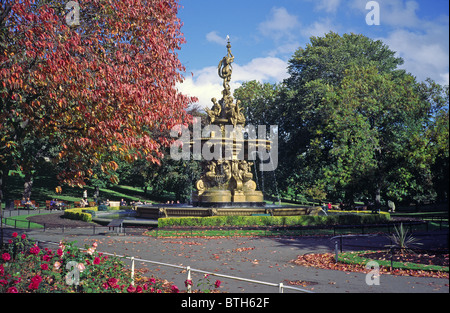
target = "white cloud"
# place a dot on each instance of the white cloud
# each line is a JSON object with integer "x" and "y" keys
{"x": 319, "y": 28}
{"x": 261, "y": 69}
{"x": 329, "y": 6}
{"x": 279, "y": 24}
{"x": 398, "y": 13}
{"x": 285, "y": 49}
{"x": 214, "y": 37}
{"x": 206, "y": 83}
{"x": 425, "y": 52}
{"x": 422, "y": 43}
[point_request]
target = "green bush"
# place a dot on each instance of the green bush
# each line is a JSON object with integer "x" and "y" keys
{"x": 304, "y": 220}
{"x": 78, "y": 214}
{"x": 85, "y": 214}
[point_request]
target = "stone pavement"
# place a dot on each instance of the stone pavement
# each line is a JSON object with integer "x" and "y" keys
{"x": 263, "y": 259}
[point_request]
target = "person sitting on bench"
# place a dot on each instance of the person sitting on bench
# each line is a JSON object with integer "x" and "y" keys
{"x": 29, "y": 204}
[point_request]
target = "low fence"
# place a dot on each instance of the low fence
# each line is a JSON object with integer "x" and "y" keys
{"x": 332, "y": 230}
{"x": 189, "y": 270}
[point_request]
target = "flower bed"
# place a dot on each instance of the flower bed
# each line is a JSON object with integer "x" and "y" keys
{"x": 26, "y": 268}
{"x": 356, "y": 262}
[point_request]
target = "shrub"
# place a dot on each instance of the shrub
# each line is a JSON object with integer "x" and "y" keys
{"x": 80, "y": 214}
{"x": 303, "y": 220}
{"x": 85, "y": 214}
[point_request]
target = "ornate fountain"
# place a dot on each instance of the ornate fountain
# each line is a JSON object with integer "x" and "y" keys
{"x": 226, "y": 186}
{"x": 227, "y": 179}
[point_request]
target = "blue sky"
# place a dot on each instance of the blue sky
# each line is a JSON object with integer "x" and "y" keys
{"x": 265, "y": 33}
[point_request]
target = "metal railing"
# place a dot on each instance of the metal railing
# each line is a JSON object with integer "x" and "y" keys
{"x": 281, "y": 287}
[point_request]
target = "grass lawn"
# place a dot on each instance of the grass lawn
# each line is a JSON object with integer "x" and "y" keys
{"x": 22, "y": 222}
{"x": 44, "y": 188}
{"x": 196, "y": 232}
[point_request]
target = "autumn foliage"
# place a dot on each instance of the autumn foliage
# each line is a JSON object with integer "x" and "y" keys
{"x": 104, "y": 87}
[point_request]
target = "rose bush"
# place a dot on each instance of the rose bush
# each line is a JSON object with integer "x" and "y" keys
{"x": 26, "y": 268}
{"x": 204, "y": 285}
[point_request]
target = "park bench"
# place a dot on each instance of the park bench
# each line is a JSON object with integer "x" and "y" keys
{"x": 18, "y": 204}
{"x": 60, "y": 205}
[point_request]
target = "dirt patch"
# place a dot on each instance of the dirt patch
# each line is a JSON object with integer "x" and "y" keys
{"x": 54, "y": 220}
{"x": 417, "y": 257}
{"x": 327, "y": 261}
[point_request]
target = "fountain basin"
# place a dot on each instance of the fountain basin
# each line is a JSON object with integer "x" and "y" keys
{"x": 164, "y": 211}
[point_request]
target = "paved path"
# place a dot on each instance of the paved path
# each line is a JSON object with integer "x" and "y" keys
{"x": 264, "y": 259}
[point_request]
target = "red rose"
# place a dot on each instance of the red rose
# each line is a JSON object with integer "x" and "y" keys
{"x": 44, "y": 266}
{"x": 35, "y": 250}
{"x": 112, "y": 281}
{"x": 35, "y": 281}
{"x": 33, "y": 286}
{"x": 6, "y": 257}
{"x": 14, "y": 235}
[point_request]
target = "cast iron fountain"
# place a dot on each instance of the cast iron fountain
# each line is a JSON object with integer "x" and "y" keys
{"x": 226, "y": 186}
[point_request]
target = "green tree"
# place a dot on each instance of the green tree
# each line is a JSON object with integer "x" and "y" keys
{"x": 375, "y": 123}
{"x": 352, "y": 125}
{"x": 260, "y": 103}
{"x": 437, "y": 131}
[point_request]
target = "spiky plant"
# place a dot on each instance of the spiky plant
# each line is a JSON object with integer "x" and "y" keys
{"x": 402, "y": 239}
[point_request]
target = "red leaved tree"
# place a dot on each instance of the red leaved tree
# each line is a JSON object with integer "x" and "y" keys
{"x": 104, "y": 86}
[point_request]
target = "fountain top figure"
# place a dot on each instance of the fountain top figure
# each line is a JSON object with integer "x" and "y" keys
{"x": 226, "y": 111}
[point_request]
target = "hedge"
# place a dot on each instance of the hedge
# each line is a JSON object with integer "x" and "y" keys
{"x": 304, "y": 220}
{"x": 84, "y": 214}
